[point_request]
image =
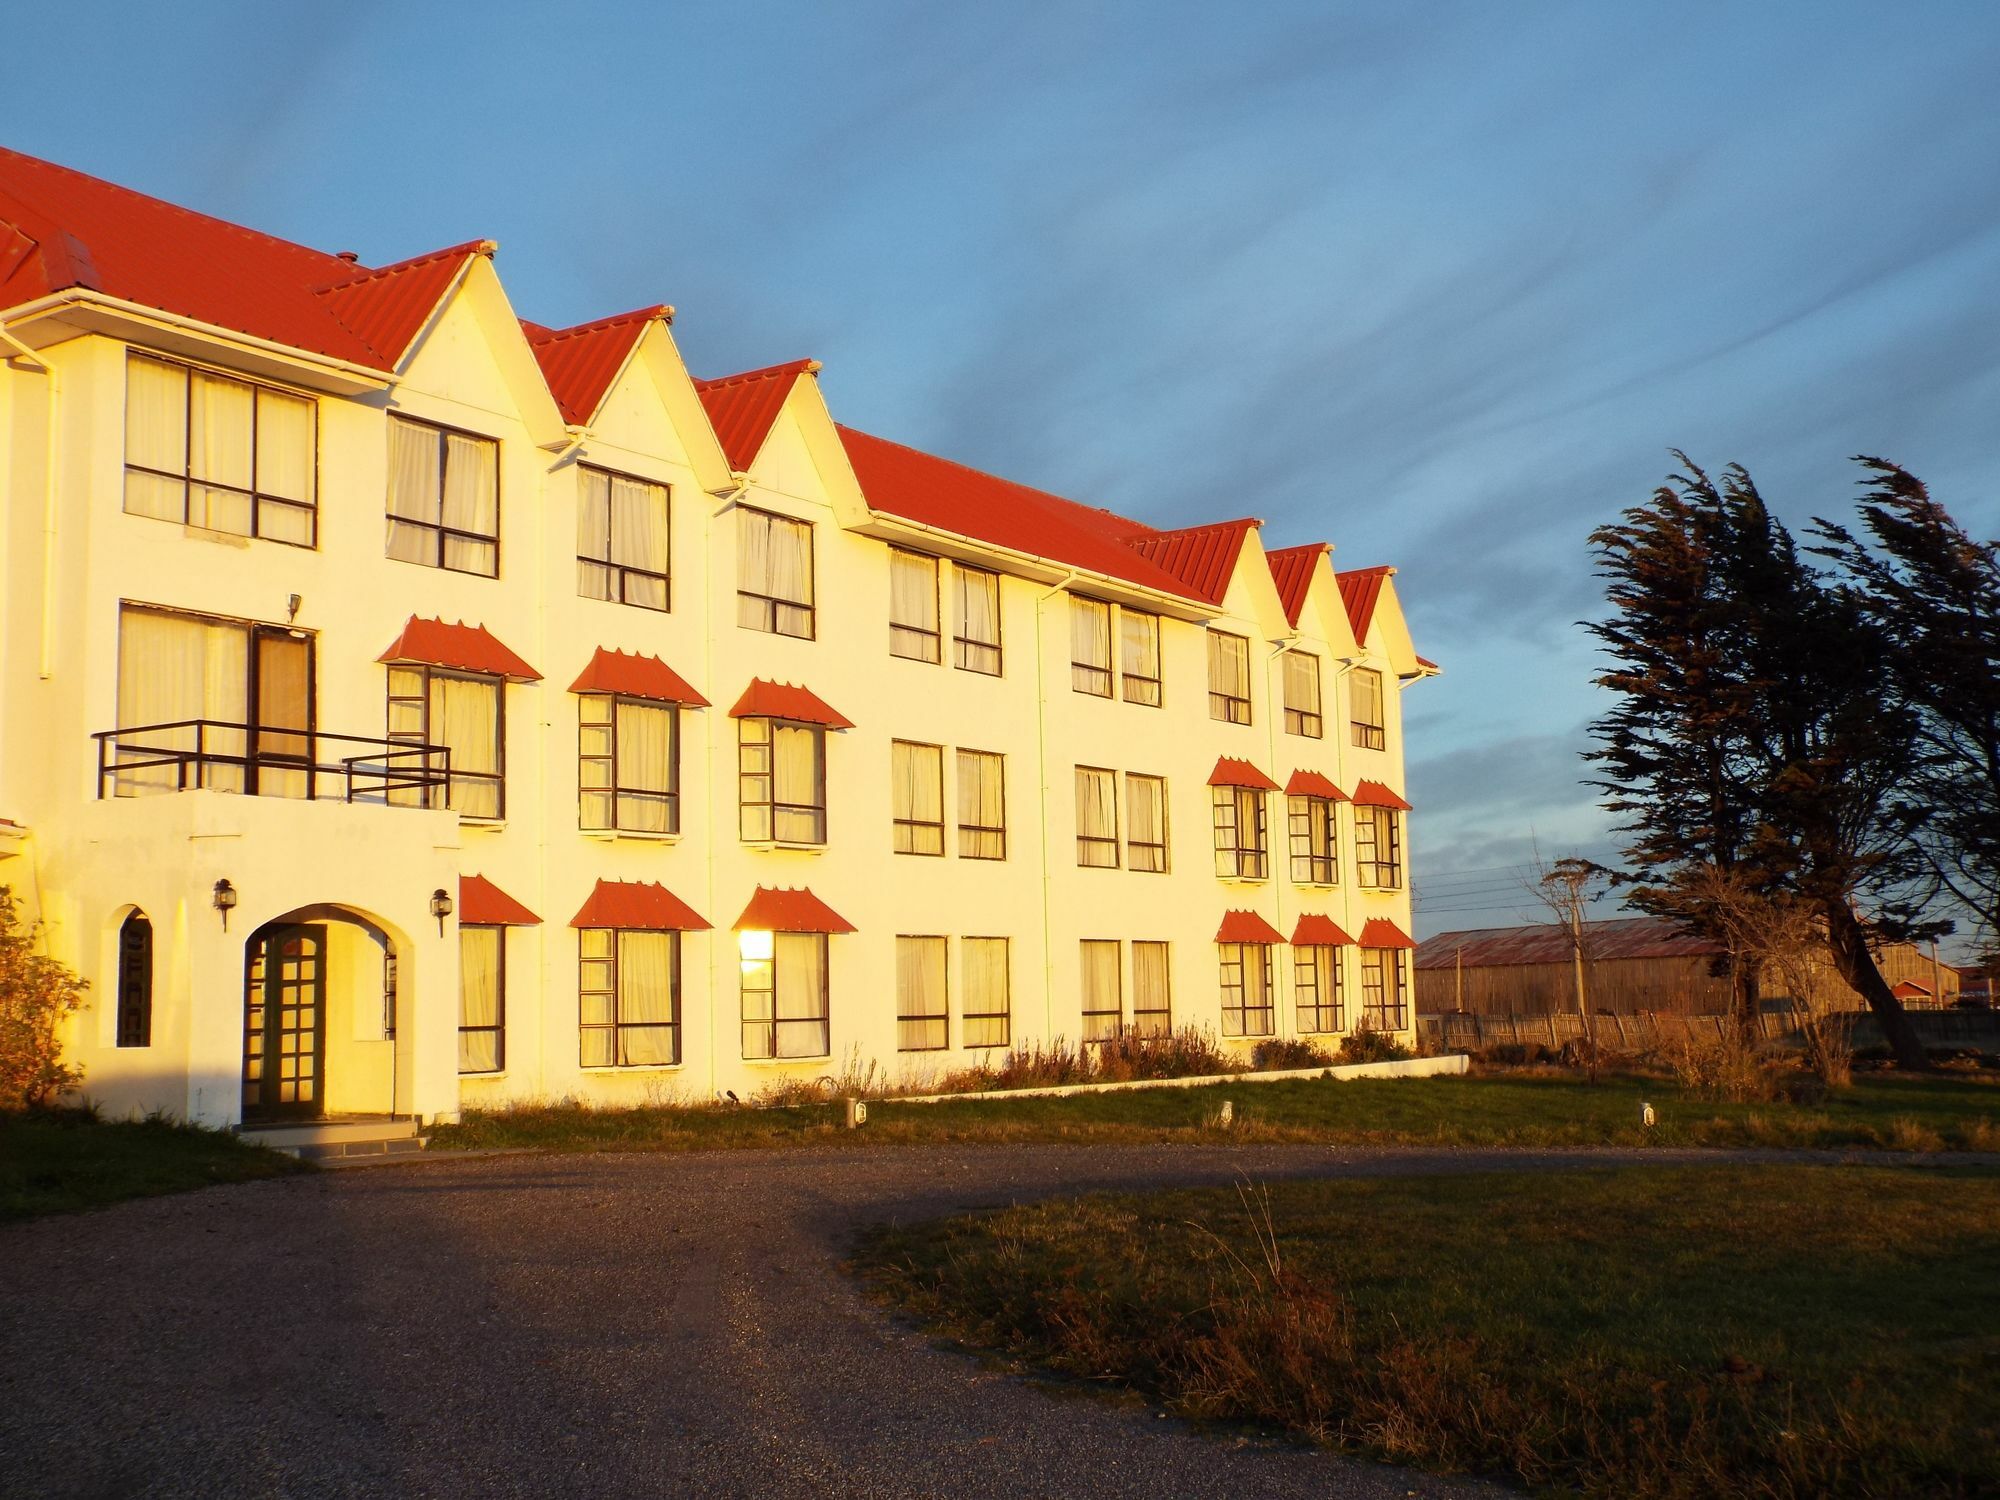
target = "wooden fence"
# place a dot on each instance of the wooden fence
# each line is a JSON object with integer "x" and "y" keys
{"x": 1649, "y": 1031}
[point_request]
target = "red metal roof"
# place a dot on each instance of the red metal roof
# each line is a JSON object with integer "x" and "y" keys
{"x": 1201, "y": 557}
{"x": 743, "y": 407}
{"x": 1425, "y": 661}
{"x": 1292, "y": 571}
{"x": 636, "y": 677}
{"x": 782, "y": 700}
{"x": 645, "y": 905}
{"x": 775, "y": 910}
{"x": 1380, "y": 932}
{"x": 1547, "y": 943}
{"x": 462, "y": 647}
{"x": 1312, "y": 784}
{"x": 580, "y": 363}
{"x": 388, "y": 308}
{"x": 1374, "y": 794}
{"x": 1316, "y": 930}
{"x": 1246, "y": 927}
{"x": 1359, "y": 589}
{"x": 1230, "y": 771}
{"x": 481, "y": 903}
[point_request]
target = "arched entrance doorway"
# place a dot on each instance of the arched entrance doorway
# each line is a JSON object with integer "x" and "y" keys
{"x": 319, "y": 1017}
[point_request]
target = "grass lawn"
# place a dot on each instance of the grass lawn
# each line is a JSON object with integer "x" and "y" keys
{"x": 56, "y": 1161}
{"x": 1771, "y": 1331}
{"x": 1884, "y": 1111}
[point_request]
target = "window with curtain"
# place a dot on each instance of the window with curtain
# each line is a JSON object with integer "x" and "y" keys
{"x": 1103, "y": 999}
{"x": 1146, "y": 823}
{"x": 987, "y": 1007}
{"x": 916, "y": 794}
{"x": 977, "y": 635}
{"x": 1246, "y": 989}
{"x": 781, "y": 779}
{"x": 1365, "y": 691}
{"x": 1301, "y": 678}
{"x": 1385, "y": 989}
{"x": 923, "y": 1014}
{"x": 785, "y": 1002}
{"x": 1152, "y": 991}
{"x": 1096, "y": 818}
{"x": 1090, "y": 646}
{"x": 444, "y": 498}
{"x": 1378, "y": 848}
{"x": 623, "y": 552}
{"x": 629, "y": 997}
{"x": 482, "y": 999}
{"x": 135, "y": 981}
{"x": 1228, "y": 677}
{"x": 628, "y": 764}
{"x": 1240, "y": 848}
{"x": 1139, "y": 656}
{"x": 428, "y": 706}
{"x": 1316, "y": 995}
{"x": 913, "y": 607}
{"x": 774, "y": 573}
{"x": 224, "y": 454}
{"x": 1315, "y": 840}
{"x": 173, "y": 668}
{"x": 982, "y": 805}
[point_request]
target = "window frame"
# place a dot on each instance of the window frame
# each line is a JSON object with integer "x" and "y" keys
{"x": 823, "y": 1016}
{"x": 426, "y": 672}
{"x": 1235, "y": 959}
{"x": 745, "y": 775}
{"x": 439, "y": 531}
{"x": 1152, "y": 849}
{"x": 617, "y": 572}
{"x": 771, "y": 602}
{"x": 967, "y": 650}
{"x": 499, "y": 1027}
{"x": 612, "y": 787}
{"x": 1387, "y": 995}
{"x": 927, "y": 1019}
{"x": 618, "y": 1026}
{"x": 1313, "y": 1003}
{"x": 1374, "y": 870}
{"x": 1368, "y": 734}
{"x": 1225, "y": 707}
{"x": 1235, "y": 859}
{"x": 1306, "y": 816}
{"x": 1090, "y": 842}
{"x": 134, "y": 1022}
{"x": 1004, "y": 1016}
{"x": 906, "y": 830}
{"x": 1149, "y": 691}
{"x": 1309, "y": 723}
{"x": 1083, "y": 676}
{"x": 1153, "y": 1022}
{"x": 980, "y": 830}
{"x": 931, "y": 641}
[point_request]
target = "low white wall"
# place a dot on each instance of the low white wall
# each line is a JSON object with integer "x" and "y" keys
{"x": 1413, "y": 1067}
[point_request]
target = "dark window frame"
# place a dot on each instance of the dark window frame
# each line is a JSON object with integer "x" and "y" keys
{"x": 135, "y": 980}
{"x": 1235, "y": 959}
{"x": 1137, "y": 687}
{"x": 746, "y": 775}
{"x": 980, "y": 830}
{"x": 1117, "y": 1010}
{"x": 1306, "y": 815}
{"x": 499, "y": 1027}
{"x": 613, "y": 787}
{"x": 941, "y": 1020}
{"x": 968, "y": 651}
{"x": 1153, "y": 850}
{"x": 1153, "y": 1021}
{"x": 1385, "y": 989}
{"x": 772, "y": 603}
{"x": 1228, "y": 708}
{"x": 617, "y": 1026}
{"x": 618, "y": 574}
{"x": 426, "y": 672}
{"x": 930, "y": 643}
{"x": 1005, "y": 1017}
{"x": 823, "y": 1017}
{"x": 440, "y": 532}
{"x": 907, "y": 830}
{"x": 1234, "y": 858}
{"x": 1090, "y": 680}
{"x": 1369, "y": 734}
{"x": 1318, "y": 1010}
{"x": 1310, "y": 723}
{"x": 1089, "y": 843}
{"x": 1374, "y": 869}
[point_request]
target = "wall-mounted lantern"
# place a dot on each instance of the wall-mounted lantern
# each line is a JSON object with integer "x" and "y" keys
{"x": 224, "y": 900}
{"x": 440, "y": 907}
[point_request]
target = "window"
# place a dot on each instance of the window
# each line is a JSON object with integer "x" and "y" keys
{"x": 1152, "y": 991}
{"x": 988, "y": 1003}
{"x": 1246, "y": 989}
{"x": 774, "y": 573}
{"x": 1302, "y": 714}
{"x": 1369, "y": 733}
{"x": 467, "y": 716}
{"x": 622, "y": 539}
{"x": 1228, "y": 677}
{"x": 1385, "y": 988}
{"x": 1139, "y": 656}
{"x": 628, "y": 764}
{"x": 444, "y": 498}
{"x": 923, "y": 1014}
{"x": 1378, "y": 847}
{"x": 1316, "y": 989}
{"x": 781, "y": 776}
{"x": 135, "y": 981}
{"x": 982, "y": 805}
{"x": 916, "y": 773}
{"x": 1239, "y": 833}
{"x": 913, "y": 606}
{"x": 1315, "y": 840}
{"x": 978, "y": 635}
{"x": 1146, "y": 823}
{"x": 482, "y": 999}
{"x": 1096, "y": 818}
{"x": 1103, "y": 1004}
{"x": 629, "y": 994}
{"x": 1090, "y": 646}
{"x": 223, "y": 454}
{"x": 785, "y": 998}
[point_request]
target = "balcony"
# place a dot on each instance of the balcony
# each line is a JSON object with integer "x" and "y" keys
{"x": 265, "y": 761}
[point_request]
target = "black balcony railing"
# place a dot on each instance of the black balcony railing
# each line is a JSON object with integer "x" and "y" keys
{"x": 265, "y": 761}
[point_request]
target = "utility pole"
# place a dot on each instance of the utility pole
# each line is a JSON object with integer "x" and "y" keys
{"x": 1564, "y": 885}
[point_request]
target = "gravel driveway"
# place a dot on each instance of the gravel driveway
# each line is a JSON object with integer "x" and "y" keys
{"x": 587, "y": 1325}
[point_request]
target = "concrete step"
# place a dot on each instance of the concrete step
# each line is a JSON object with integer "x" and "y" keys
{"x": 355, "y": 1153}
{"x": 328, "y": 1132}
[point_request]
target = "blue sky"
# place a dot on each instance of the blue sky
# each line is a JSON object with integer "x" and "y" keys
{"x": 1439, "y": 283}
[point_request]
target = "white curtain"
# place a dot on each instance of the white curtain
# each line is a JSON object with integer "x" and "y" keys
{"x": 1101, "y": 999}
{"x": 1097, "y": 809}
{"x": 471, "y": 502}
{"x": 1145, "y": 809}
{"x": 917, "y": 795}
{"x": 800, "y": 959}
{"x": 913, "y": 604}
{"x": 983, "y": 973}
{"x": 1090, "y": 633}
{"x": 921, "y": 1013}
{"x": 982, "y": 804}
{"x": 173, "y": 667}
{"x": 753, "y": 564}
{"x": 1139, "y": 635}
{"x": 219, "y": 433}
{"x": 156, "y": 437}
{"x": 645, "y": 765}
{"x": 1368, "y": 698}
{"x": 414, "y": 491}
{"x": 795, "y": 753}
{"x": 1152, "y": 1010}
{"x": 465, "y": 716}
{"x": 639, "y": 538}
{"x": 646, "y": 997}
{"x": 1302, "y": 682}
{"x": 791, "y": 560}
{"x": 286, "y": 456}
{"x": 978, "y": 606}
{"x": 1228, "y": 665}
{"x": 479, "y": 998}
{"x": 593, "y": 535}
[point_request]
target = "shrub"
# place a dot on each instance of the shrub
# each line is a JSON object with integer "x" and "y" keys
{"x": 1369, "y": 1045}
{"x": 1289, "y": 1052}
{"x": 1724, "y": 1068}
{"x": 35, "y": 994}
{"x": 1187, "y": 1053}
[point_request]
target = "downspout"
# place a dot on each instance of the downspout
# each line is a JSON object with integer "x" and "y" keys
{"x": 710, "y": 626}
{"x": 1042, "y": 760}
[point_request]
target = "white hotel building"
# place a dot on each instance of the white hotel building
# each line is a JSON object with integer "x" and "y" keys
{"x": 405, "y": 707}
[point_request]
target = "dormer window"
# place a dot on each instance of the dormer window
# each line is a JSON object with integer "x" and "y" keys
{"x": 774, "y": 574}
{"x": 622, "y": 549}
{"x": 444, "y": 498}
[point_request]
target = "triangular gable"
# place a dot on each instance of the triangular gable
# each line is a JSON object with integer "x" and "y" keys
{"x": 1292, "y": 571}
{"x": 742, "y": 407}
{"x": 581, "y": 363}
{"x": 766, "y": 419}
{"x": 387, "y": 308}
{"x": 1374, "y": 607}
{"x": 480, "y": 301}
{"x": 1360, "y": 588}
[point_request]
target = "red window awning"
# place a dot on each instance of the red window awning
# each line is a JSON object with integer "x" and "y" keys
{"x": 636, "y": 676}
{"x": 1374, "y": 794}
{"x": 774, "y": 910}
{"x": 481, "y": 903}
{"x": 782, "y": 700}
{"x": 645, "y": 905}
{"x": 1316, "y": 930}
{"x": 1380, "y": 932}
{"x": 460, "y": 647}
{"x": 1246, "y": 927}
{"x": 1312, "y": 784}
{"x": 1232, "y": 772}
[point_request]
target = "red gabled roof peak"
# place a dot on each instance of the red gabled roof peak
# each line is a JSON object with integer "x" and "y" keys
{"x": 1292, "y": 571}
{"x": 579, "y": 363}
{"x": 388, "y": 306}
{"x": 1201, "y": 557}
{"x": 1360, "y": 588}
{"x": 742, "y": 407}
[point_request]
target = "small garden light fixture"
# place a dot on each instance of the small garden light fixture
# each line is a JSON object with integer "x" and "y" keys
{"x": 224, "y": 899}
{"x": 440, "y": 907}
